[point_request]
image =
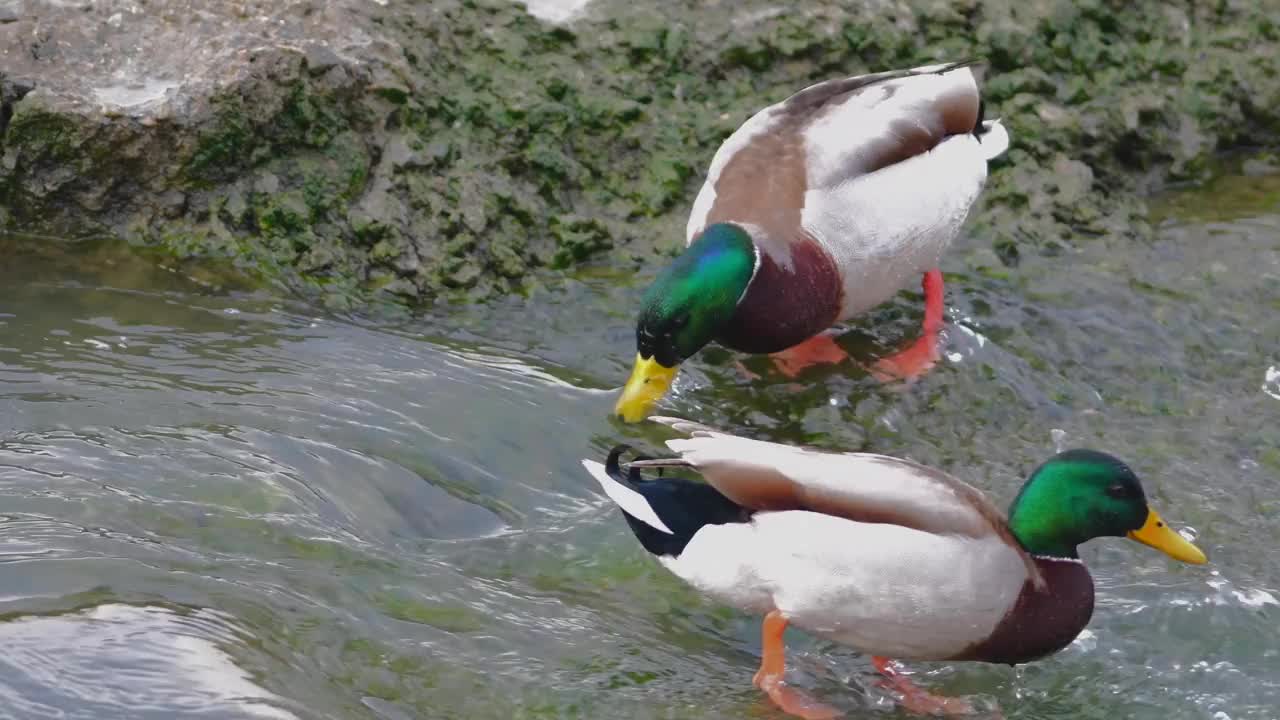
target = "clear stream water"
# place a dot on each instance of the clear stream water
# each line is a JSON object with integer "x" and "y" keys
{"x": 218, "y": 504}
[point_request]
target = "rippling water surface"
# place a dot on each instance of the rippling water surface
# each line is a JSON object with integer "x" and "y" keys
{"x": 216, "y": 503}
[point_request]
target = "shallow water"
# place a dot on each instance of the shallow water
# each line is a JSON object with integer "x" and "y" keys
{"x": 214, "y": 503}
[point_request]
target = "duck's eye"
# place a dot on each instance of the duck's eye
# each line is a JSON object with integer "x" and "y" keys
{"x": 1119, "y": 492}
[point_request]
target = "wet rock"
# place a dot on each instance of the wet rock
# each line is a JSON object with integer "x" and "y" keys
{"x": 405, "y": 150}
{"x": 173, "y": 202}
{"x": 1262, "y": 166}
{"x": 1073, "y": 180}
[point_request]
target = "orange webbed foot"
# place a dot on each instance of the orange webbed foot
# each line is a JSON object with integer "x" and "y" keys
{"x": 772, "y": 667}
{"x": 916, "y": 699}
{"x": 909, "y": 364}
{"x": 794, "y": 702}
{"x": 818, "y": 350}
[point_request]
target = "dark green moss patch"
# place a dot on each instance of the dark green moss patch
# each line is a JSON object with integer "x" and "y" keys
{"x": 219, "y": 153}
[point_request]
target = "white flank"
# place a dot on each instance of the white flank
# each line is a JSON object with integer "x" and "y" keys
{"x": 720, "y": 561}
{"x": 879, "y": 588}
{"x": 631, "y": 502}
{"x": 887, "y": 228}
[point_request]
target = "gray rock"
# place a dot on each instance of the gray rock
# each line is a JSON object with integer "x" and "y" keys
{"x": 144, "y": 120}
{"x": 321, "y": 58}
{"x": 409, "y": 147}
{"x": 149, "y": 61}
{"x": 267, "y": 183}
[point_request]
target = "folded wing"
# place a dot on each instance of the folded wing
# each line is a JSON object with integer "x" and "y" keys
{"x": 865, "y": 487}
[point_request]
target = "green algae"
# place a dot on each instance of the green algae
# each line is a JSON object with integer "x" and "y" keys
{"x": 443, "y": 616}
{"x": 46, "y": 136}
{"x": 502, "y": 147}
{"x": 1236, "y": 189}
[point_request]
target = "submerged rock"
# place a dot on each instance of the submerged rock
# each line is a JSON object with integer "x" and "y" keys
{"x": 411, "y": 149}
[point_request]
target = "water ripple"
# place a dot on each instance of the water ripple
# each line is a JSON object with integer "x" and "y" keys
{"x": 392, "y": 521}
{"x": 122, "y": 661}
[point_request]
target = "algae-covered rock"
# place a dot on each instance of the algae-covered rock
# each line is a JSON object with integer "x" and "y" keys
{"x": 409, "y": 149}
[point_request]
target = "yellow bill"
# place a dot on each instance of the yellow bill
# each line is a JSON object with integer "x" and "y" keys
{"x": 1157, "y": 534}
{"x": 648, "y": 383}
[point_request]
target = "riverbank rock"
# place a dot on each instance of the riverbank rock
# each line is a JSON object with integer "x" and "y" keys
{"x": 412, "y": 150}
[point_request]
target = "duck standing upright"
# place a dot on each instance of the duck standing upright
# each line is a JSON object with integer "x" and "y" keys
{"x": 816, "y": 209}
{"x": 892, "y": 558}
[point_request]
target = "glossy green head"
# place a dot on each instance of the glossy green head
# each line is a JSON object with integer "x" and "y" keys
{"x": 685, "y": 308}
{"x": 1079, "y": 495}
{"x": 690, "y": 302}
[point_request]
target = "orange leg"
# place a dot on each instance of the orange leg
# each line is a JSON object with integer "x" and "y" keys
{"x": 819, "y": 349}
{"x": 921, "y": 355}
{"x": 916, "y": 699}
{"x": 745, "y": 372}
{"x": 772, "y": 667}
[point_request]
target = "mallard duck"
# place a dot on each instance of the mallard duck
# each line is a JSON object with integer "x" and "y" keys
{"x": 816, "y": 209}
{"x": 893, "y": 558}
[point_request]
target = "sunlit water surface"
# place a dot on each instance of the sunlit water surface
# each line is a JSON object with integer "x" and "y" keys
{"x": 216, "y": 503}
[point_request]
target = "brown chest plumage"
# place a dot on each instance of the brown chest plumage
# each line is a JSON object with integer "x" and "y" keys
{"x": 785, "y": 306}
{"x": 1041, "y": 622}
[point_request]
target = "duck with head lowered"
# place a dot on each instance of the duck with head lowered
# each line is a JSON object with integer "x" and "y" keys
{"x": 895, "y": 559}
{"x": 816, "y": 209}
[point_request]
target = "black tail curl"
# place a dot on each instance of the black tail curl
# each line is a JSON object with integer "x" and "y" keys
{"x": 684, "y": 506}
{"x": 613, "y": 466}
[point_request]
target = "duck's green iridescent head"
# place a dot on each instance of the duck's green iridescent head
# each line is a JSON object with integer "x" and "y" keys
{"x": 1079, "y": 495}
{"x": 685, "y": 308}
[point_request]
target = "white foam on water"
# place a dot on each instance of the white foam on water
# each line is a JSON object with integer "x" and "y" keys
{"x": 1271, "y": 382}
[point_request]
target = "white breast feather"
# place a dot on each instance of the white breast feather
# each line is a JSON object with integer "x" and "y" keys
{"x": 882, "y": 589}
